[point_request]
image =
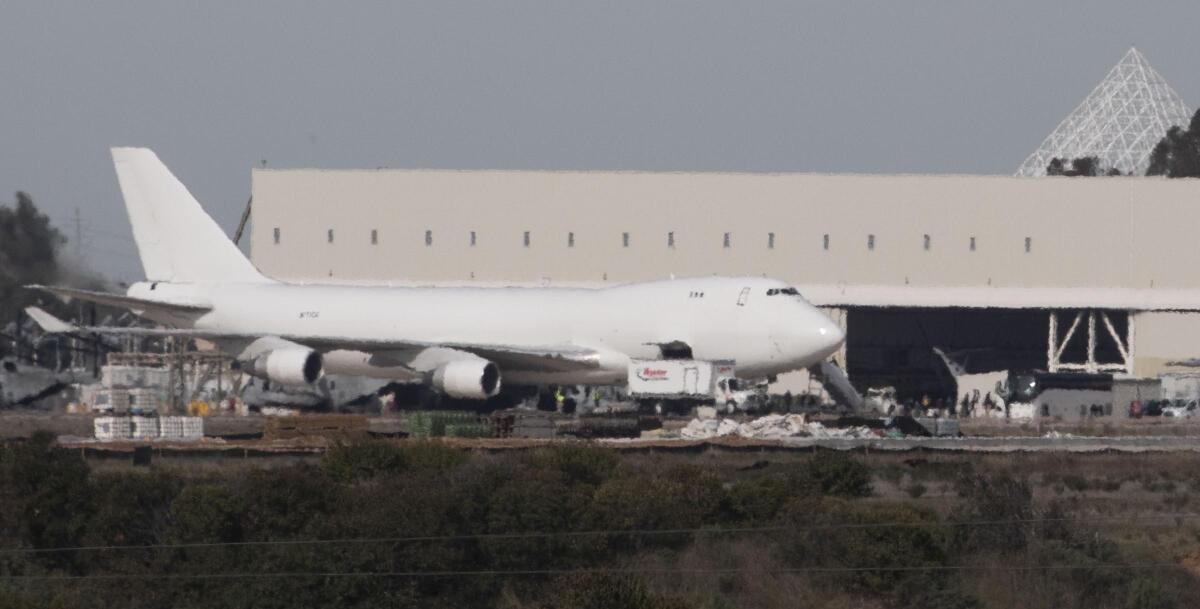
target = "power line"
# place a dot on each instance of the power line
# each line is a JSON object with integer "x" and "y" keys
{"x": 594, "y": 570}
{"x": 591, "y": 533}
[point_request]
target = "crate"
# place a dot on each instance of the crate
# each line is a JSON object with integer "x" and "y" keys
{"x": 111, "y": 428}
{"x": 333, "y": 426}
{"x": 181, "y": 428}
{"x": 143, "y": 428}
{"x": 441, "y": 423}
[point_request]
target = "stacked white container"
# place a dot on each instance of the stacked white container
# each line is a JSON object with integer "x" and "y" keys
{"x": 181, "y": 428}
{"x": 112, "y": 428}
{"x": 143, "y": 428}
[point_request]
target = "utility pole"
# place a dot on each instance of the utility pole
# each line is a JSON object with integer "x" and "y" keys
{"x": 78, "y": 235}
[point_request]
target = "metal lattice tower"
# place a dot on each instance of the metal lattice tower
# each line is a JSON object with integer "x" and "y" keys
{"x": 1120, "y": 121}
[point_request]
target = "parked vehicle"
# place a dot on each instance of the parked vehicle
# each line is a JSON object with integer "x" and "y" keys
{"x": 1181, "y": 409}
{"x": 678, "y": 385}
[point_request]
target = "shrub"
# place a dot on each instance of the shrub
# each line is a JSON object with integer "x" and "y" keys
{"x": 835, "y": 474}
{"x": 285, "y": 502}
{"x": 207, "y": 512}
{"x": 49, "y": 490}
{"x": 579, "y": 462}
{"x": 758, "y": 499}
{"x": 1146, "y": 594}
{"x": 133, "y": 508}
{"x": 366, "y": 459}
{"x": 680, "y": 498}
{"x": 539, "y": 501}
{"x": 601, "y": 591}
{"x": 1004, "y": 503}
{"x": 1075, "y": 482}
{"x": 916, "y": 490}
{"x": 835, "y": 533}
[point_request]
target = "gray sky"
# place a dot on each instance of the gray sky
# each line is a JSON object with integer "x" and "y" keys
{"x": 839, "y": 86}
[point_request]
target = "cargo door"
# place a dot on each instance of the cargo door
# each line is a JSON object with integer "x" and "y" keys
{"x": 691, "y": 380}
{"x": 742, "y": 296}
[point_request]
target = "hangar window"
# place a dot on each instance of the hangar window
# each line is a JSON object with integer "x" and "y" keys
{"x": 928, "y": 242}
{"x": 624, "y": 239}
{"x": 972, "y": 243}
{"x": 526, "y": 238}
{"x": 825, "y": 242}
{"x": 329, "y": 235}
{"x": 870, "y": 242}
{"x": 726, "y": 239}
{"x": 1028, "y": 244}
{"x": 570, "y": 239}
{"x": 671, "y": 239}
{"x": 428, "y": 238}
{"x": 472, "y": 238}
{"x": 276, "y": 236}
{"x": 374, "y": 237}
{"x": 771, "y": 241}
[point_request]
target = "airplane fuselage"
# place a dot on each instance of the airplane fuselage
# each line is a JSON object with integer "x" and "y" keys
{"x": 749, "y": 320}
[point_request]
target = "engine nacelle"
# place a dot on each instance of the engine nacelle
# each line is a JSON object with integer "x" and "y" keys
{"x": 288, "y": 366}
{"x": 469, "y": 378}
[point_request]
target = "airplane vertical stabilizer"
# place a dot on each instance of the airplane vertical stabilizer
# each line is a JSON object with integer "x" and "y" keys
{"x": 177, "y": 241}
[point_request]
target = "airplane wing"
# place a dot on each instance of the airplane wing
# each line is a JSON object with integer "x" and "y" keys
{"x": 120, "y": 300}
{"x": 549, "y": 358}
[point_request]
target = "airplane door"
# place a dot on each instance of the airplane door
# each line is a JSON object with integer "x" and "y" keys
{"x": 745, "y": 293}
{"x": 691, "y": 380}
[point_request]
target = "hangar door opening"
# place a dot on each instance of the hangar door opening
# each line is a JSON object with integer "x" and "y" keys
{"x": 894, "y": 346}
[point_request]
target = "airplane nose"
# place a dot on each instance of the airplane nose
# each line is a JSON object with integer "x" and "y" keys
{"x": 830, "y": 334}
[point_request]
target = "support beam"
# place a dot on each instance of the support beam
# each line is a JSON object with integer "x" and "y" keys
{"x": 1112, "y": 333}
{"x": 1067, "y": 339}
{"x": 1091, "y": 346}
{"x": 1051, "y": 341}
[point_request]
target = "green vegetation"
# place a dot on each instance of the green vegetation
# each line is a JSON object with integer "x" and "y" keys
{"x": 1177, "y": 154}
{"x": 422, "y": 524}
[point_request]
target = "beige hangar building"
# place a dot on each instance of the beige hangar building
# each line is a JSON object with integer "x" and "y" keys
{"x": 1094, "y": 274}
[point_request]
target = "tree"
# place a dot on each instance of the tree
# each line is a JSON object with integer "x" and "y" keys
{"x": 1084, "y": 166}
{"x": 1177, "y": 154}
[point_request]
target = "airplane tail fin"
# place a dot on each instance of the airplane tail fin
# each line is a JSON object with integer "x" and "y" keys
{"x": 176, "y": 240}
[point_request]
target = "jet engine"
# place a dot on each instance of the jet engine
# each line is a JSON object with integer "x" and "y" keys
{"x": 297, "y": 366}
{"x": 476, "y": 379}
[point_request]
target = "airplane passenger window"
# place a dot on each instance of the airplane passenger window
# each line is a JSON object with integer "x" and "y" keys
{"x": 727, "y": 240}
{"x": 624, "y": 239}
{"x": 770, "y": 240}
{"x": 374, "y": 237}
{"x": 276, "y": 236}
{"x": 329, "y": 235}
{"x": 472, "y": 238}
{"x": 428, "y": 237}
{"x": 825, "y": 241}
{"x": 526, "y": 238}
{"x": 570, "y": 239}
{"x": 671, "y": 239}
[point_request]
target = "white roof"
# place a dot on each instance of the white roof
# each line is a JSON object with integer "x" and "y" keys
{"x": 1128, "y": 299}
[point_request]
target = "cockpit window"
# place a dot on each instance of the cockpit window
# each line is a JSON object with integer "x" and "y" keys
{"x": 784, "y": 291}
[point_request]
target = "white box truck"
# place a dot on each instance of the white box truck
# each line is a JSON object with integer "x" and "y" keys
{"x": 681, "y": 384}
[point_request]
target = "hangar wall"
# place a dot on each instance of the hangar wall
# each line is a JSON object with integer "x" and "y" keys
{"x": 552, "y": 227}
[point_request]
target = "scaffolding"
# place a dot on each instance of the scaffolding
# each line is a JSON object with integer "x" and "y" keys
{"x": 1120, "y": 122}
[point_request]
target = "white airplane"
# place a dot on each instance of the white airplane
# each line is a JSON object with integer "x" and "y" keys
{"x": 459, "y": 340}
